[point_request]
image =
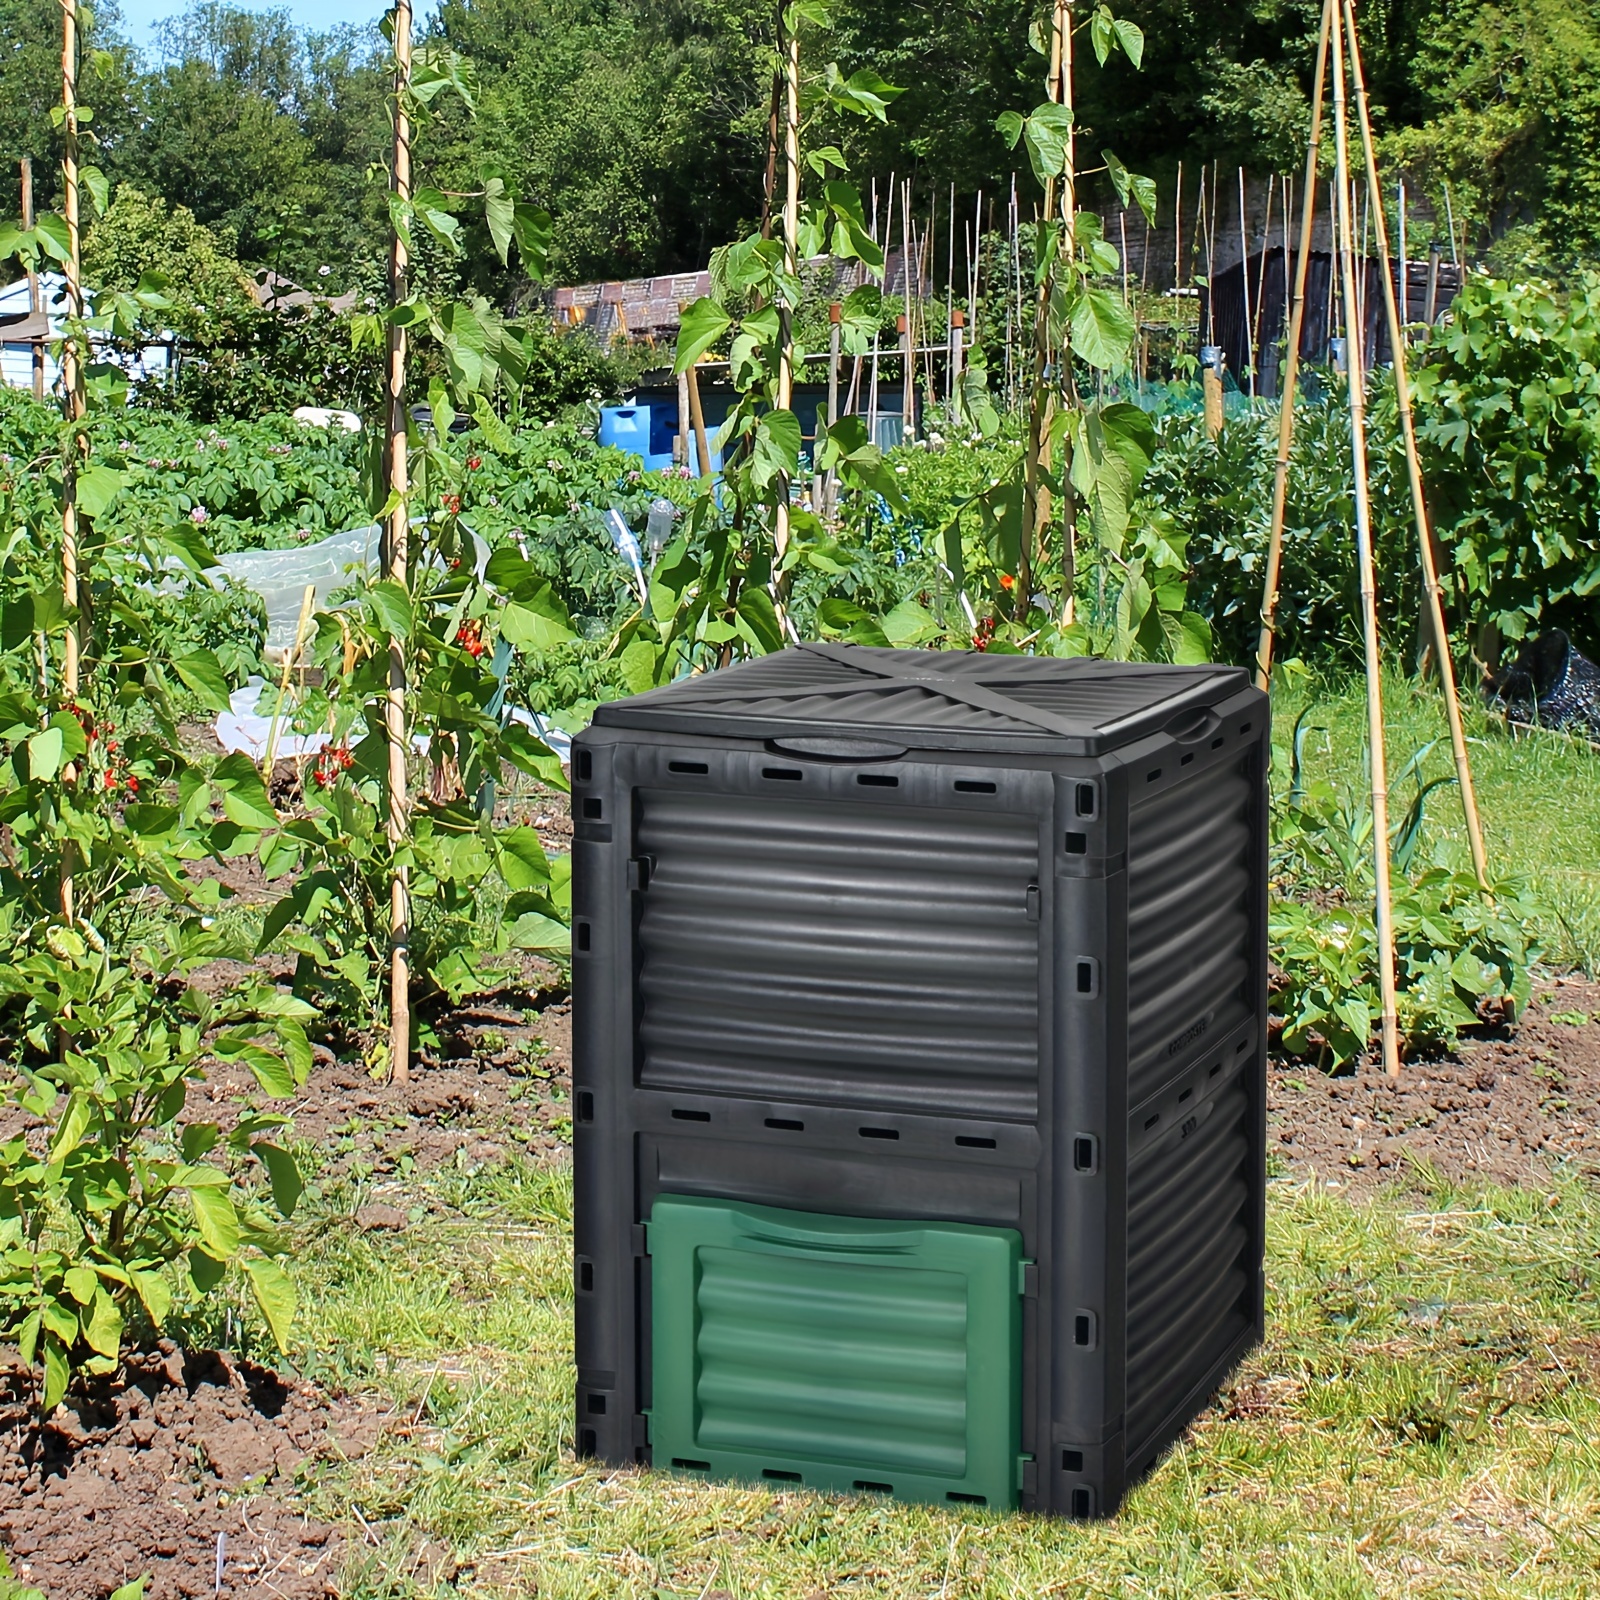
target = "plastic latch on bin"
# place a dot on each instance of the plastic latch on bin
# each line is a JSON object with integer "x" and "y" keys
{"x": 1028, "y": 1279}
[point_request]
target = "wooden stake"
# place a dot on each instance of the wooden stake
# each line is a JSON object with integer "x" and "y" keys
{"x": 1291, "y": 364}
{"x": 830, "y": 485}
{"x": 1244, "y": 289}
{"x": 1419, "y": 508}
{"x": 701, "y": 447}
{"x": 1177, "y": 232}
{"x": 1383, "y": 916}
{"x": 908, "y": 366}
{"x": 72, "y": 375}
{"x": 396, "y": 555}
{"x": 1261, "y": 281}
{"x": 789, "y": 38}
{"x": 1035, "y": 494}
{"x": 35, "y": 303}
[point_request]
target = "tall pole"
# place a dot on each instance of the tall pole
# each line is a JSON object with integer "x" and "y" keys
{"x": 35, "y": 304}
{"x": 1035, "y": 494}
{"x": 1356, "y": 384}
{"x": 831, "y": 483}
{"x": 789, "y": 39}
{"x": 1244, "y": 289}
{"x": 395, "y": 559}
{"x": 908, "y": 344}
{"x": 76, "y": 402}
{"x": 1419, "y": 507}
{"x": 1291, "y": 365}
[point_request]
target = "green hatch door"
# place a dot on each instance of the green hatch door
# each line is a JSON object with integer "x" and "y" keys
{"x": 836, "y": 1352}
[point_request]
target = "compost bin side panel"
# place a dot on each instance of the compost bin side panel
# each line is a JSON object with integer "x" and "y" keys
{"x": 605, "y": 1269}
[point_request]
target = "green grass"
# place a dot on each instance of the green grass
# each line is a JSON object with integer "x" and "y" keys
{"x": 1538, "y": 796}
{"x": 1423, "y": 1421}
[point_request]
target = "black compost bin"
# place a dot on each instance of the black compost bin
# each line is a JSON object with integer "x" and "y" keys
{"x": 919, "y": 1085}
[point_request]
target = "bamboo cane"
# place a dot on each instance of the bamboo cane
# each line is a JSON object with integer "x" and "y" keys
{"x": 395, "y": 564}
{"x": 784, "y": 399}
{"x": 698, "y": 418}
{"x": 1383, "y": 916}
{"x": 307, "y": 601}
{"x": 1035, "y": 494}
{"x": 1261, "y": 278}
{"x": 1419, "y": 507}
{"x": 1244, "y": 289}
{"x": 72, "y": 375}
{"x": 908, "y": 362}
{"x": 1291, "y": 366}
{"x": 35, "y": 303}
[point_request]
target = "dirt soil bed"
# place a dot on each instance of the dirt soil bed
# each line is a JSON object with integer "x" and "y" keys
{"x": 1510, "y": 1106}
{"x": 180, "y": 1466}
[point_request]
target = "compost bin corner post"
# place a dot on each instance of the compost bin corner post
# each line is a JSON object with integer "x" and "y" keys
{"x": 395, "y": 558}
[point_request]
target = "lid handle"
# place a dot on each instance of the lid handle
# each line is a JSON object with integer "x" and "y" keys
{"x": 1189, "y": 727}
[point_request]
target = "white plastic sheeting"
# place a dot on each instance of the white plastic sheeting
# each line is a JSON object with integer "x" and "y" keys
{"x": 280, "y": 576}
{"x": 246, "y": 726}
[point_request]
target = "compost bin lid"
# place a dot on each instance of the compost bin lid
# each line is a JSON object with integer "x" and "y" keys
{"x": 932, "y": 699}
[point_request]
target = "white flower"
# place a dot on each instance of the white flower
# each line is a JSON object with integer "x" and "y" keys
{"x": 199, "y": 515}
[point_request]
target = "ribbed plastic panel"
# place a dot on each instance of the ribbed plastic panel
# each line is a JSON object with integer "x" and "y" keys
{"x": 836, "y": 1352}
{"x": 1189, "y": 1276}
{"x": 839, "y": 954}
{"x": 1190, "y": 934}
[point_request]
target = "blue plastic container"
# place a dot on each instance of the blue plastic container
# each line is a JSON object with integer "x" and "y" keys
{"x": 638, "y": 429}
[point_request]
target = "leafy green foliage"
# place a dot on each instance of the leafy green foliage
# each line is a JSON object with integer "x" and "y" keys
{"x": 1510, "y": 398}
{"x": 1460, "y": 958}
{"x": 93, "y": 1224}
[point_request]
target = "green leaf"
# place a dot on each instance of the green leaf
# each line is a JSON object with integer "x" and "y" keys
{"x": 703, "y": 324}
{"x": 205, "y": 1272}
{"x": 500, "y": 212}
{"x": 44, "y": 755}
{"x": 217, "y": 1221}
{"x": 1045, "y": 133}
{"x": 638, "y": 664}
{"x": 392, "y": 606}
{"x": 94, "y": 180}
{"x": 274, "y": 1294}
{"x": 1103, "y": 330}
{"x": 56, "y": 1374}
{"x": 283, "y": 1174}
{"x": 756, "y": 611}
{"x": 81, "y": 1283}
{"x": 51, "y": 232}
{"x": 1131, "y": 37}
{"x": 537, "y": 624}
{"x": 540, "y": 934}
{"x": 909, "y": 624}
{"x": 95, "y": 488}
{"x": 201, "y": 672}
{"x": 534, "y": 231}
{"x": 863, "y": 93}
{"x": 71, "y": 1129}
{"x": 154, "y": 1292}
{"x": 777, "y": 447}
{"x": 131, "y": 1591}
{"x": 103, "y": 1332}
{"x": 523, "y": 863}
{"x": 244, "y": 796}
